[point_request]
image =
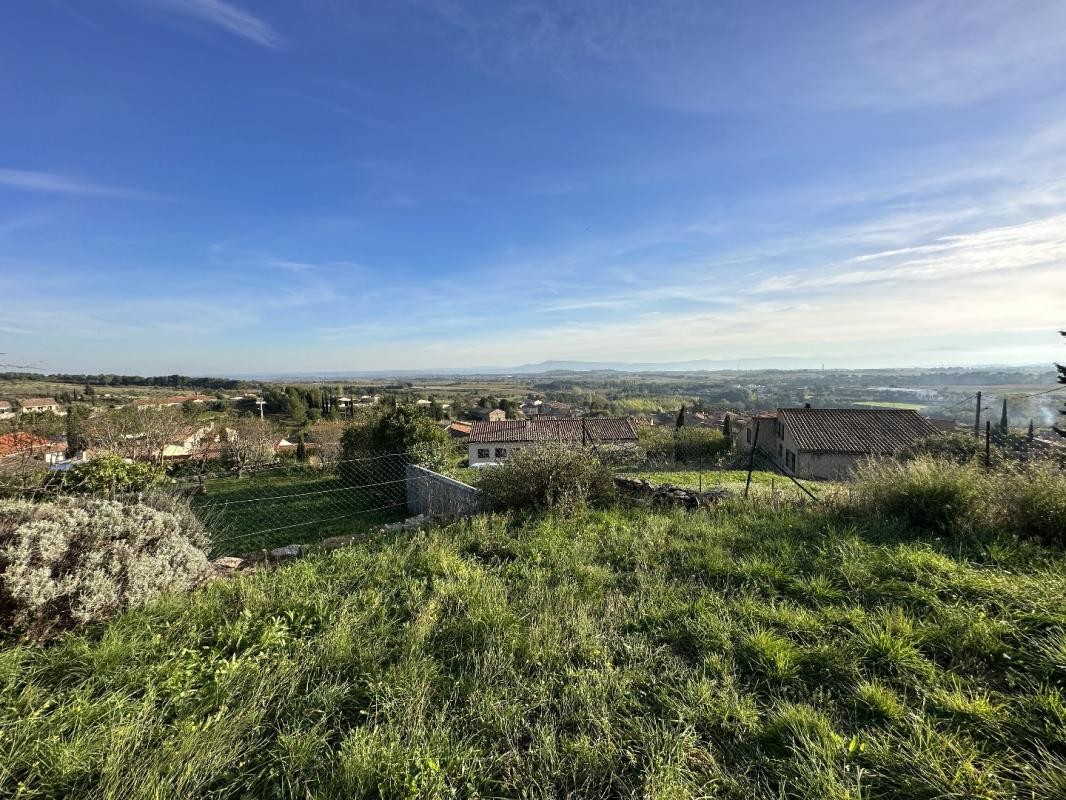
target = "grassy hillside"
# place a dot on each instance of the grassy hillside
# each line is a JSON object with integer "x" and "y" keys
{"x": 748, "y": 653}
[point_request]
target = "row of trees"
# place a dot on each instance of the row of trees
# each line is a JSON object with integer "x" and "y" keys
{"x": 170, "y": 381}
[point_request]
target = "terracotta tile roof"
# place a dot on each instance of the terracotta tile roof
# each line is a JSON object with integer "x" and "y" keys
{"x": 20, "y": 442}
{"x": 596, "y": 429}
{"x": 38, "y": 402}
{"x": 853, "y": 430}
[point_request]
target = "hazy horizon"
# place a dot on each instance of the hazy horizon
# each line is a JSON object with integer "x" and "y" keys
{"x": 225, "y": 187}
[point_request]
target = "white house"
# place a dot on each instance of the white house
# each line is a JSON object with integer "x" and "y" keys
{"x": 491, "y": 442}
{"x": 7, "y": 411}
{"x": 37, "y": 405}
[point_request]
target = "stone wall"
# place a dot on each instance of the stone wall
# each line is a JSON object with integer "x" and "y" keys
{"x": 436, "y": 495}
{"x": 665, "y": 495}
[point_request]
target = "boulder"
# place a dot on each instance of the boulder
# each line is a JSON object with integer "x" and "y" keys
{"x": 228, "y": 564}
{"x": 287, "y": 553}
{"x": 337, "y": 542}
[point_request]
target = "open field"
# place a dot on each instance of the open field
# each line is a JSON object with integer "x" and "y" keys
{"x": 743, "y": 653}
{"x": 889, "y": 404}
{"x": 290, "y": 505}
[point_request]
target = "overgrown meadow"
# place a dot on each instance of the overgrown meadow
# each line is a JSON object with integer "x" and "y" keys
{"x": 738, "y": 653}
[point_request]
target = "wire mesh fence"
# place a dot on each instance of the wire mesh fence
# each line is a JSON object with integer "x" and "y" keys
{"x": 285, "y": 502}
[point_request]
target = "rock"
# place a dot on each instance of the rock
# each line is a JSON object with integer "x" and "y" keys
{"x": 414, "y": 523}
{"x": 256, "y": 556}
{"x": 286, "y": 553}
{"x": 228, "y": 564}
{"x": 337, "y": 542}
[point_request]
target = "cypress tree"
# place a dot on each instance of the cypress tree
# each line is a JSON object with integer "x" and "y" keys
{"x": 680, "y": 419}
{"x": 1004, "y": 427}
{"x": 301, "y": 448}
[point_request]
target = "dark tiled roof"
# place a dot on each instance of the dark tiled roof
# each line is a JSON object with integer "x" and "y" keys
{"x": 853, "y": 430}
{"x": 596, "y": 429}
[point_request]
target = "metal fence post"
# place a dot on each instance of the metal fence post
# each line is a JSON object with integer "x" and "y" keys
{"x": 751, "y": 460}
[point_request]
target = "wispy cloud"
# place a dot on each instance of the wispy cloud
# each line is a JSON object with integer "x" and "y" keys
{"x": 56, "y": 183}
{"x": 227, "y": 17}
{"x": 893, "y": 55}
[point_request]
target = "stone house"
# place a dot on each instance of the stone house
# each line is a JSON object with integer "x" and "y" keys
{"x": 487, "y": 414}
{"x": 493, "y": 442}
{"x": 830, "y": 443}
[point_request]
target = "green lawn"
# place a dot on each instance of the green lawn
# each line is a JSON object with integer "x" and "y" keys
{"x": 747, "y": 652}
{"x": 288, "y": 506}
{"x": 764, "y": 484}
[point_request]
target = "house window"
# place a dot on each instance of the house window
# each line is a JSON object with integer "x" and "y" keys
{"x": 779, "y": 429}
{"x": 790, "y": 460}
{"x": 501, "y": 452}
{"x": 780, "y": 449}
{"x": 483, "y": 452}
{"x": 748, "y": 435}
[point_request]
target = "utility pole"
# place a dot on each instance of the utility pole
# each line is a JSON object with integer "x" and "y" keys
{"x": 751, "y": 460}
{"x": 977, "y": 418}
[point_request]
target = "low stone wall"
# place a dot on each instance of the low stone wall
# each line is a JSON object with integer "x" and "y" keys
{"x": 666, "y": 495}
{"x": 436, "y": 495}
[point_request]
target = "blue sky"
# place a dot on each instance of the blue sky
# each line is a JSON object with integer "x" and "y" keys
{"x": 206, "y": 186}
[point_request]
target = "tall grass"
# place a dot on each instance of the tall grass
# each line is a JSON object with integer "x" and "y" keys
{"x": 739, "y": 653}
{"x": 943, "y": 496}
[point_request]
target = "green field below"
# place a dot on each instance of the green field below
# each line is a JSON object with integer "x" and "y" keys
{"x": 746, "y": 652}
{"x": 291, "y": 505}
{"x": 763, "y": 483}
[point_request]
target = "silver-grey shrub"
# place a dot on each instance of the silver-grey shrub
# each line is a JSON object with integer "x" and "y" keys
{"x": 80, "y": 559}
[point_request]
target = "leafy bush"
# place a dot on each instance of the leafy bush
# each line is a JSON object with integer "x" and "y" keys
{"x": 687, "y": 445}
{"x": 112, "y": 475}
{"x": 548, "y": 476}
{"x": 80, "y": 559}
{"x": 931, "y": 495}
{"x": 620, "y": 455}
{"x": 373, "y": 454}
{"x": 692, "y": 445}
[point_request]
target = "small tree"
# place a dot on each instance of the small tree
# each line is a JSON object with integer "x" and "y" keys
{"x": 77, "y": 432}
{"x": 249, "y": 444}
{"x": 1004, "y": 426}
{"x": 111, "y": 475}
{"x": 680, "y": 419}
{"x": 301, "y": 448}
